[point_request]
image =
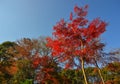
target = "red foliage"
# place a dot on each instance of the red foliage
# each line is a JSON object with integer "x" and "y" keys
{"x": 45, "y": 67}
{"x": 77, "y": 37}
{"x": 40, "y": 61}
{"x": 71, "y": 16}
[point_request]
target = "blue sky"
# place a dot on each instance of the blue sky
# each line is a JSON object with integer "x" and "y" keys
{"x": 34, "y": 18}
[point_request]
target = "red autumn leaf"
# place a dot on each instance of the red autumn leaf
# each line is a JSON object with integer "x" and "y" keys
{"x": 71, "y": 16}
{"x": 76, "y": 9}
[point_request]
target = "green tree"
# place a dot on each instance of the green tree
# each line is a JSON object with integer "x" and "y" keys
{"x": 6, "y": 62}
{"x": 71, "y": 76}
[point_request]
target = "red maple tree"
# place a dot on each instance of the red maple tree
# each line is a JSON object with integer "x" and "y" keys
{"x": 45, "y": 69}
{"x": 77, "y": 38}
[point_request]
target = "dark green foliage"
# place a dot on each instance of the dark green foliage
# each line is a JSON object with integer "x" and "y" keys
{"x": 6, "y": 61}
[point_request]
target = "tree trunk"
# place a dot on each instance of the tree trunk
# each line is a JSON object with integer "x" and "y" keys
{"x": 99, "y": 71}
{"x": 83, "y": 70}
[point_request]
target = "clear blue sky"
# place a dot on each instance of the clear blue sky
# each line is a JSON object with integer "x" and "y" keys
{"x": 34, "y": 18}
